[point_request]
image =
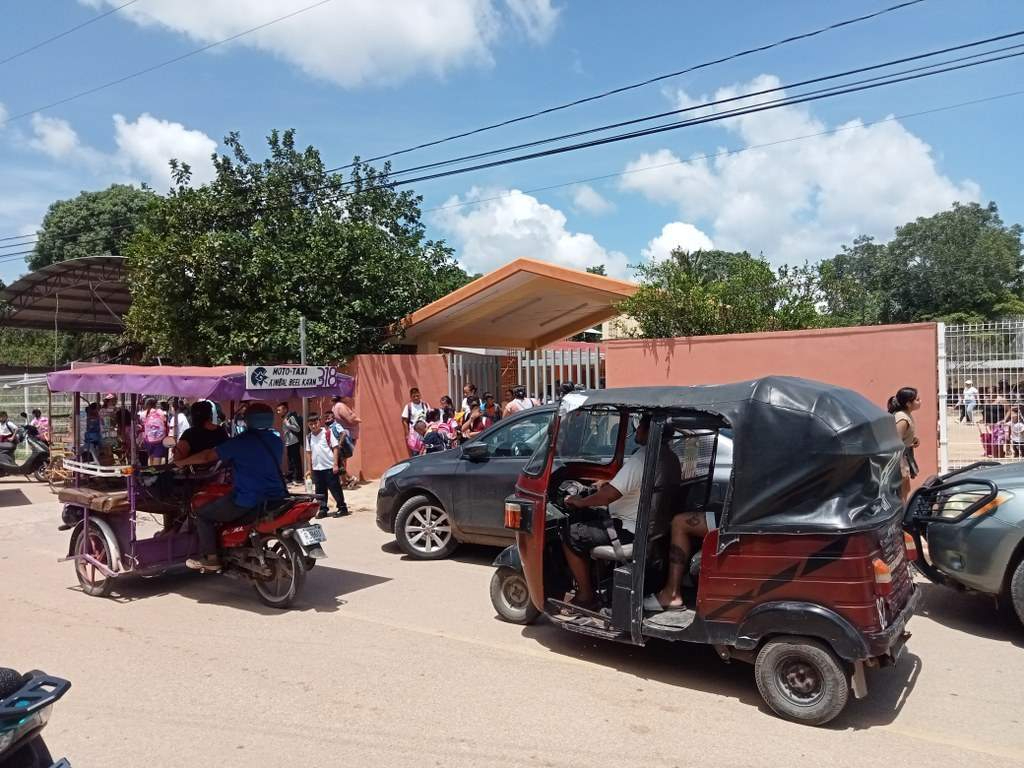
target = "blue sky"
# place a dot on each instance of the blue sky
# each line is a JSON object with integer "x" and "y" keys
{"x": 367, "y": 77}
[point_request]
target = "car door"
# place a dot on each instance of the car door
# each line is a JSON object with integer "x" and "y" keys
{"x": 483, "y": 484}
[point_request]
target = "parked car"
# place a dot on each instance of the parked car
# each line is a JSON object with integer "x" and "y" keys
{"x": 972, "y": 521}
{"x": 433, "y": 502}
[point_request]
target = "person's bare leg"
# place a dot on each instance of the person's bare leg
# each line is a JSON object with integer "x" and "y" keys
{"x": 680, "y": 550}
{"x": 580, "y": 568}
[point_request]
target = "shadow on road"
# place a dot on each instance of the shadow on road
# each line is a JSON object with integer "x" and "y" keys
{"x": 13, "y": 497}
{"x": 472, "y": 554}
{"x": 971, "y": 613}
{"x": 697, "y": 667}
{"x": 323, "y": 592}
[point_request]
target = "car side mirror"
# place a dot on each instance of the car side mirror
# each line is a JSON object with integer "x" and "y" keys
{"x": 475, "y": 452}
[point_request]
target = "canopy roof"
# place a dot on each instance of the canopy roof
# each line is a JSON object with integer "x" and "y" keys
{"x": 807, "y": 456}
{"x": 226, "y": 382}
{"x": 525, "y": 304}
{"x": 85, "y": 294}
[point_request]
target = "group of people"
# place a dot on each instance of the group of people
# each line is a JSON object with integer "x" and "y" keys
{"x": 428, "y": 430}
{"x": 10, "y": 433}
{"x": 1001, "y": 422}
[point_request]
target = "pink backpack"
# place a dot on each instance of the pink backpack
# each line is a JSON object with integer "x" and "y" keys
{"x": 155, "y": 426}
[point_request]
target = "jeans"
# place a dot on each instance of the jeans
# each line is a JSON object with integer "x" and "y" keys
{"x": 223, "y": 510}
{"x": 295, "y": 463}
{"x": 969, "y": 409}
{"x": 325, "y": 480}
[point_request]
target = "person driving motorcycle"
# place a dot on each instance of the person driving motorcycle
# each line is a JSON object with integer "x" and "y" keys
{"x": 8, "y": 438}
{"x": 256, "y": 459}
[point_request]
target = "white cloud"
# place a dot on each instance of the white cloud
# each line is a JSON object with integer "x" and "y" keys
{"x": 354, "y": 42}
{"x": 3, "y": 115}
{"x": 147, "y": 145}
{"x": 677, "y": 234}
{"x": 514, "y": 225}
{"x": 588, "y": 199}
{"x": 802, "y": 199}
{"x": 53, "y": 136}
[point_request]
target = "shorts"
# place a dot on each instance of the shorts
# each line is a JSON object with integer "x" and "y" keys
{"x": 155, "y": 450}
{"x": 583, "y": 537}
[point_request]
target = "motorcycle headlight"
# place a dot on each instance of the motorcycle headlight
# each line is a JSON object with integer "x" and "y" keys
{"x": 397, "y": 469}
{"x": 958, "y": 503}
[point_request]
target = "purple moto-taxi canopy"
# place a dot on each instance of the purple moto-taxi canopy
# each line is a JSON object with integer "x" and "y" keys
{"x": 226, "y": 382}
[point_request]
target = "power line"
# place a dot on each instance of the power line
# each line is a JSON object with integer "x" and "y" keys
{"x": 741, "y": 97}
{"x": 65, "y": 33}
{"x": 162, "y": 64}
{"x": 643, "y": 83}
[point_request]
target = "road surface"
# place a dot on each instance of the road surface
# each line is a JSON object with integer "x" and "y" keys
{"x": 392, "y": 662}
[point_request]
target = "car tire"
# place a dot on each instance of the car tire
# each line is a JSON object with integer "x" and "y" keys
{"x": 1017, "y": 591}
{"x": 511, "y": 597}
{"x": 423, "y": 529}
{"x": 801, "y": 680}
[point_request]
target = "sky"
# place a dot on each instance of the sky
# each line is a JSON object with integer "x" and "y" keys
{"x": 367, "y": 77}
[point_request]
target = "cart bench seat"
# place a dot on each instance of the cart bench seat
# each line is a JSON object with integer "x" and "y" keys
{"x": 111, "y": 502}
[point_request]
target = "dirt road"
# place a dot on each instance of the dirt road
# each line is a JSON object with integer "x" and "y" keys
{"x": 390, "y": 662}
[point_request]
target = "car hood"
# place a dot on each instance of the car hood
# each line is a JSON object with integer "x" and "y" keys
{"x": 1004, "y": 476}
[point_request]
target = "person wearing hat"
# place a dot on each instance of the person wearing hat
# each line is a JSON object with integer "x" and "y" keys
{"x": 970, "y": 400}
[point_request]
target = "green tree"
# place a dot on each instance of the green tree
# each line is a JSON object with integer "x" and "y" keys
{"x": 222, "y": 272}
{"x": 856, "y": 284}
{"x": 91, "y": 224}
{"x": 717, "y": 292}
{"x": 597, "y": 269}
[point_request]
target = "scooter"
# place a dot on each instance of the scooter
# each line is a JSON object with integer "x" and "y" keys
{"x": 26, "y": 702}
{"x": 36, "y": 464}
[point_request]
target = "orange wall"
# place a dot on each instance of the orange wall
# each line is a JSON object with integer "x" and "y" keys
{"x": 875, "y": 361}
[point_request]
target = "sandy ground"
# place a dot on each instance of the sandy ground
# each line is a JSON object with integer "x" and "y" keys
{"x": 391, "y": 662}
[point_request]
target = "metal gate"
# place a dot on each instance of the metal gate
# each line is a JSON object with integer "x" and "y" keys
{"x": 468, "y": 368}
{"x": 981, "y": 388}
{"x": 542, "y": 372}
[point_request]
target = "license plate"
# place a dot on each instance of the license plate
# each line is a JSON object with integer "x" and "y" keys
{"x": 310, "y": 535}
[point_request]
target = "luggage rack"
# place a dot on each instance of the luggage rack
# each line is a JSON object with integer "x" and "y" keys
{"x": 89, "y": 469}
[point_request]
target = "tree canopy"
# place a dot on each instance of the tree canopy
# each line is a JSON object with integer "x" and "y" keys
{"x": 222, "y": 272}
{"x": 91, "y": 224}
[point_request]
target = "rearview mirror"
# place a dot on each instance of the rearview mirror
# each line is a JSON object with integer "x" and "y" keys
{"x": 475, "y": 452}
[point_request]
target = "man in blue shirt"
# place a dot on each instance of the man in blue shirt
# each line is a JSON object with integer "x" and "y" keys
{"x": 255, "y": 456}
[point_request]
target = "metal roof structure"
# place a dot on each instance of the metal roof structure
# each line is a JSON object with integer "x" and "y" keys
{"x": 77, "y": 295}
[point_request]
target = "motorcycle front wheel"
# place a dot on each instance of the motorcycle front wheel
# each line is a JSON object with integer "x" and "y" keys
{"x": 287, "y": 573}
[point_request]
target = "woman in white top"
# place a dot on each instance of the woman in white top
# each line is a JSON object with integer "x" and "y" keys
{"x": 520, "y": 402}
{"x": 901, "y": 406}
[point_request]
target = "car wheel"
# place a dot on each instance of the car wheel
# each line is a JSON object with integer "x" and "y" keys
{"x": 511, "y": 597}
{"x": 1017, "y": 591}
{"x": 423, "y": 529}
{"x": 801, "y": 680}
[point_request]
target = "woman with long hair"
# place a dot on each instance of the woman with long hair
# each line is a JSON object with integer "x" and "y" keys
{"x": 902, "y": 405}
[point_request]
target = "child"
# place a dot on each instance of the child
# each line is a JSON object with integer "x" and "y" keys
{"x": 415, "y": 440}
{"x": 1016, "y": 422}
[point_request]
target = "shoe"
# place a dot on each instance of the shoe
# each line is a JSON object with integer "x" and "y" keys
{"x": 653, "y": 605}
{"x": 322, "y": 514}
{"x": 342, "y": 513}
{"x": 203, "y": 564}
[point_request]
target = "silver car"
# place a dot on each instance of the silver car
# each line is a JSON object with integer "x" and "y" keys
{"x": 969, "y": 530}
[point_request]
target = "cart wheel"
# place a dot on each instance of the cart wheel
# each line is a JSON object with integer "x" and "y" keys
{"x": 91, "y": 541}
{"x": 801, "y": 680}
{"x": 288, "y": 574}
{"x": 511, "y": 597}
{"x": 42, "y": 473}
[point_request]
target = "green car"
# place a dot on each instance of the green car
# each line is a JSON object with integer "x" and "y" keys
{"x": 972, "y": 522}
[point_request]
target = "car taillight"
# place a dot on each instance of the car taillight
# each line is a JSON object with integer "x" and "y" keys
{"x": 909, "y": 547}
{"x": 518, "y": 516}
{"x": 883, "y": 577}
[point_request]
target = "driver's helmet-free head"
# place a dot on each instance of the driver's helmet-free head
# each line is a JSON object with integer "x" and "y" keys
{"x": 259, "y": 416}
{"x": 520, "y": 393}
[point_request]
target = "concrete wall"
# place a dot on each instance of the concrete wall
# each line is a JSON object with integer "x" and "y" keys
{"x": 875, "y": 361}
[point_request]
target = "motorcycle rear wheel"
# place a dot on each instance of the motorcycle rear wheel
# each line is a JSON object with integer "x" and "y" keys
{"x": 42, "y": 472}
{"x": 288, "y": 574}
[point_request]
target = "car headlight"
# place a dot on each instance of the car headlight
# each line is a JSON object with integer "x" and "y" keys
{"x": 395, "y": 470}
{"x": 957, "y": 504}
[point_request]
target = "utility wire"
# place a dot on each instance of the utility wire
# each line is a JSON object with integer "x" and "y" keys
{"x": 65, "y": 33}
{"x": 741, "y": 97}
{"x": 643, "y": 83}
{"x": 162, "y": 64}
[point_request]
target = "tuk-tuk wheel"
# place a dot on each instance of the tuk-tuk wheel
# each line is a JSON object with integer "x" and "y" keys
{"x": 511, "y": 597}
{"x": 91, "y": 541}
{"x": 1017, "y": 591}
{"x": 801, "y": 680}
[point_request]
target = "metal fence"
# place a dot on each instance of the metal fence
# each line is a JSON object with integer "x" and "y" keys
{"x": 981, "y": 393}
{"x": 542, "y": 371}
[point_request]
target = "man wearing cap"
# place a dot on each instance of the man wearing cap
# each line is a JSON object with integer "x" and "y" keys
{"x": 970, "y": 400}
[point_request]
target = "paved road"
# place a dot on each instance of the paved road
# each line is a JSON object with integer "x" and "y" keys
{"x": 391, "y": 662}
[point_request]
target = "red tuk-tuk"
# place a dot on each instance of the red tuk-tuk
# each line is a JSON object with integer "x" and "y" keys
{"x": 804, "y": 569}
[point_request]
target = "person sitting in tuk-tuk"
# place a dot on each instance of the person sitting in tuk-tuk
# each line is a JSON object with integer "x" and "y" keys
{"x": 255, "y": 456}
{"x": 203, "y": 434}
{"x": 621, "y": 495}
{"x": 686, "y": 528}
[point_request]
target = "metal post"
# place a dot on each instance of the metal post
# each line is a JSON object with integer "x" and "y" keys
{"x": 305, "y": 401}
{"x": 943, "y": 399}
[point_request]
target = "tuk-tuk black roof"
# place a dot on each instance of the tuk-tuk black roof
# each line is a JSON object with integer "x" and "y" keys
{"x": 807, "y": 456}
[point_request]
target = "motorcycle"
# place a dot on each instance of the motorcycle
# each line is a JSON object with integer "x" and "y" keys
{"x": 36, "y": 464}
{"x": 25, "y": 705}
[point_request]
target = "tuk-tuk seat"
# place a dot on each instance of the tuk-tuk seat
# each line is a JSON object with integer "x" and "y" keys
{"x": 115, "y": 502}
{"x": 607, "y": 552}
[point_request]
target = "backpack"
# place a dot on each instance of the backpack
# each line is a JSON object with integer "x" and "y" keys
{"x": 155, "y": 426}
